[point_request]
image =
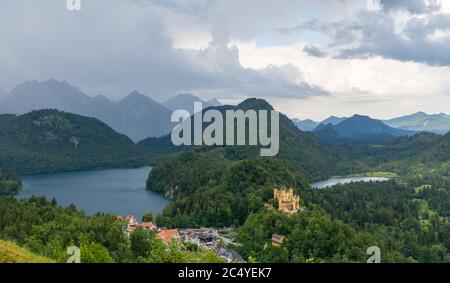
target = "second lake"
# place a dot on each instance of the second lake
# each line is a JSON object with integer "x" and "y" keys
{"x": 339, "y": 181}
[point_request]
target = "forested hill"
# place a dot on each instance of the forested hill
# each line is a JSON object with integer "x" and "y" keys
{"x": 301, "y": 149}
{"x": 408, "y": 155}
{"x": 10, "y": 183}
{"x": 50, "y": 140}
{"x": 420, "y": 155}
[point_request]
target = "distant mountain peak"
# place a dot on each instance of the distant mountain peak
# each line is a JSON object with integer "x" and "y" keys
{"x": 255, "y": 103}
{"x": 333, "y": 120}
{"x": 186, "y": 94}
{"x": 186, "y": 101}
{"x": 51, "y": 85}
{"x": 138, "y": 99}
{"x": 214, "y": 102}
{"x": 359, "y": 116}
{"x": 137, "y": 115}
{"x": 421, "y": 121}
{"x": 136, "y": 94}
{"x": 358, "y": 128}
{"x": 307, "y": 125}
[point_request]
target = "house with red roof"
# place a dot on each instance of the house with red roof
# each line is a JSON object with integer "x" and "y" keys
{"x": 148, "y": 226}
{"x": 168, "y": 235}
{"x": 132, "y": 223}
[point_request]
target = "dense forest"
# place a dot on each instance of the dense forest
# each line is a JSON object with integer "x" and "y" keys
{"x": 301, "y": 149}
{"x": 408, "y": 218}
{"x": 53, "y": 141}
{"x": 47, "y": 230}
{"x": 421, "y": 154}
{"x": 10, "y": 183}
{"x": 408, "y": 222}
{"x": 209, "y": 190}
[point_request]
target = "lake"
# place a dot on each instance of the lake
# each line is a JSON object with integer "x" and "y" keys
{"x": 115, "y": 191}
{"x": 332, "y": 182}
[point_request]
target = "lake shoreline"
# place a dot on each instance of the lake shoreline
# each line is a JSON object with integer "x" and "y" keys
{"x": 85, "y": 170}
{"x": 347, "y": 180}
{"x": 111, "y": 191}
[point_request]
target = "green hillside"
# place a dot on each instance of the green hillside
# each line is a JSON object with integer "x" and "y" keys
{"x": 302, "y": 150}
{"x": 210, "y": 190}
{"x": 50, "y": 140}
{"x": 417, "y": 156}
{"x": 47, "y": 229}
{"x": 12, "y": 253}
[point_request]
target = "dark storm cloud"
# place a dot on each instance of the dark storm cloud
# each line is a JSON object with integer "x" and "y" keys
{"x": 314, "y": 51}
{"x": 412, "y": 6}
{"x": 378, "y": 37}
{"x": 375, "y": 33}
{"x": 114, "y": 47}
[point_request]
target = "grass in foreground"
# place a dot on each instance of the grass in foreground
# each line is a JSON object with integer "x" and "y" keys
{"x": 12, "y": 253}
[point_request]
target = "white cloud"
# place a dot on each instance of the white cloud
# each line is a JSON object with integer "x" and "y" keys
{"x": 376, "y": 86}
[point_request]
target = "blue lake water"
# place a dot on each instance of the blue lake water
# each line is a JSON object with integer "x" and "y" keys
{"x": 332, "y": 182}
{"x": 115, "y": 191}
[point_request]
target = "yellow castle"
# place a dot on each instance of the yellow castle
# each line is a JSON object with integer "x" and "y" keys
{"x": 288, "y": 202}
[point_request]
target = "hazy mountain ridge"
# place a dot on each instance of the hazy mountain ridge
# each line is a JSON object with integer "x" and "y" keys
{"x": 358, "y": 128}
{"x": 420, "y": 121}
{"x": 137, "y": 115}
{"x": 333, "y": 120}
{"x": 186, "y": 101}
{"x": 307, "y": 125}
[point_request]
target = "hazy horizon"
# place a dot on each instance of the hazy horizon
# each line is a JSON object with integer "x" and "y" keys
{"x": 117, "y": 100}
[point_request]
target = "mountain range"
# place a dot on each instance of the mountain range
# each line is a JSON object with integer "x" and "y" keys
{"x": 302, "y": 149}
{"x": 417, "y": 122}
{"x": 307, "y": 125}
{"x": 358, "y": 129}
{"x": 137, "y": 115}
{"x": 420, "y": 121}
{"x": 333, "y": 120}
{"x": 186, "y": 101}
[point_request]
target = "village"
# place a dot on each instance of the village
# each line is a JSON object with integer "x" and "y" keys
{"x": 208, "y": 238}
{"x": 214, "y": 239}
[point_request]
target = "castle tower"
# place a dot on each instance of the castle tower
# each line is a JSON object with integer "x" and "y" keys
{"x": 288, "y": 202}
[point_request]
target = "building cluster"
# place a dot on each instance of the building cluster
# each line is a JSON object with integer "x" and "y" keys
{"x": 166, "y": 235}
{"x": 210, "y": 238}
{"x": 207, "y": 238}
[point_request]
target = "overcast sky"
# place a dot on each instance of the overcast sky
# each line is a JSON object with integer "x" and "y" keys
{"x": 310, "y": 59}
